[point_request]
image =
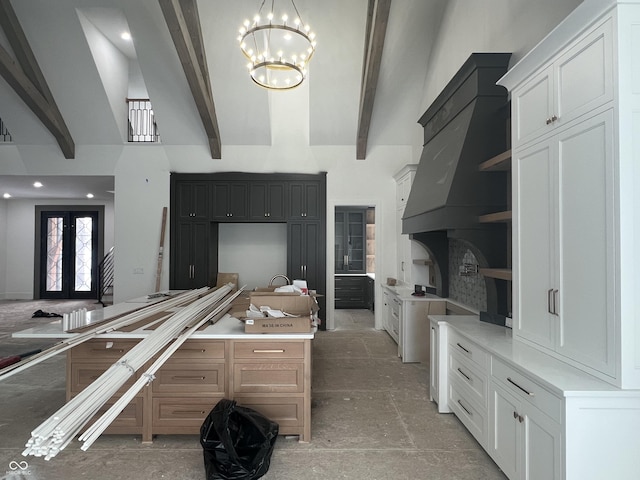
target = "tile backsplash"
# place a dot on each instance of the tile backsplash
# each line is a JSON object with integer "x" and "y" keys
{"x": 470, "y": 290}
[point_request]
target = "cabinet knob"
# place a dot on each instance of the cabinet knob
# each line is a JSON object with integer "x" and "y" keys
{"x": 515, "y": 414}
{"x": 554, "y": 118}
{"x": 520, "y": 418}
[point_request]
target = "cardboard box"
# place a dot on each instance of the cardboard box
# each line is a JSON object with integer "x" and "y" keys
{"x": 303, "y": 305}
{"x": 278, "y": 325}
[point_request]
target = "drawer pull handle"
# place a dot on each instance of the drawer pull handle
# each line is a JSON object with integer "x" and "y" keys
{"x": 201, "y": 350}
{"x": 188, "y": 412}
{"x": 275, "y": 350}
{"x": 189, "y": 377}
{"x": 467, "y": 351}
{"x": 465, "y": 375}
{"x": 531, "y": 394}
{"x": 465, "y": 408}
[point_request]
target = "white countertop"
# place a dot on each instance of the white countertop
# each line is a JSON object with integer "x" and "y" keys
{"x": 227, "y": 327}
{"x": 404, "y": 293}
{"x": 559, "y": 377}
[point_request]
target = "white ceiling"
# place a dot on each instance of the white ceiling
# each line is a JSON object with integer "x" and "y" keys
{"x": 325, "y": 109}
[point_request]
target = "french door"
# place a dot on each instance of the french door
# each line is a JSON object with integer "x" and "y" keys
{"x": 68, "y": 254}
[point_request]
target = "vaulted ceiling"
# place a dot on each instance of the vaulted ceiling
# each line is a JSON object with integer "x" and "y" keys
{"x": 89, "y": 71}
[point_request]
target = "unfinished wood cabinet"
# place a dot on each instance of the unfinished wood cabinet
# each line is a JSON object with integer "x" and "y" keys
{"x": 270, "y": 376}
{"x": 274, "y": 378}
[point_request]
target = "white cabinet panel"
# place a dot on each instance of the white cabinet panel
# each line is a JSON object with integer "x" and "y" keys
{"x": 565, "y": 244}
{"x": 533, "y": 106}
{"x": 533, "y": 242}
{"x": 586, "y": 244}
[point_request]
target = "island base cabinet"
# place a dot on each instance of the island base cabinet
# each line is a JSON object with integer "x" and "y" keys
{"x": 271, "y": 376}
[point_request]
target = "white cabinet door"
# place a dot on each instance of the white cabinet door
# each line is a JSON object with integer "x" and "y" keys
{"x": 542, "y": 446}
{"x": 533, "y": 244}
{"x": 584, "y": 75}
{"x": 404, "y": 252}
{"x": 524, "y": 442}
{"x": 533, "y": 107}
{"x": 565, "y": 244}
{"x": 504, "y": 431}
{"x": 586, "y": 244}
{"x": 574, "y": 84}
{"x": 433, "y": 362}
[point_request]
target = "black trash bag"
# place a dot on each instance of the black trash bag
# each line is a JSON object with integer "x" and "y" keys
{"x": 237, "y": 442}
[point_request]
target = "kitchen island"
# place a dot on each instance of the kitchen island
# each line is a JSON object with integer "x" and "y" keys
{"x": 270, "y": 373}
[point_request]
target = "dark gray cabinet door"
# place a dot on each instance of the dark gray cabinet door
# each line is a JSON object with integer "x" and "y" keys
{"x": 229, "y": 201}
{"x": 304, "y": 253}
{"x": 267, "y": 201}
{"x": 305, "y": 200}
{"x": 190, "y": 269}
{"x": 350, "y": 240}
{"x": 192, "y": 200}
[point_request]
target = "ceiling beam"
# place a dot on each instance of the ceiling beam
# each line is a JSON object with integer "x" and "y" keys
{"x": 377, "y": 19}
{"x": 27, "y": 80}
{"x": 184, "y": 25}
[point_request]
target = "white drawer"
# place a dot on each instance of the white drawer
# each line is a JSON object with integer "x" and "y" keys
{"x": 530, "y": 390}
{"x": 473, "y": 418}
{"x": 469, "y": 350}
{"x": 463, "y": 372}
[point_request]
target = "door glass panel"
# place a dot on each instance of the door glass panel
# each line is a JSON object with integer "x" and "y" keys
{"x": 54, "y": 253}
{"x": 83, "y": 243}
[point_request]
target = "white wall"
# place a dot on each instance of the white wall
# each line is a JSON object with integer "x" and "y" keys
{"x": 255, "y": 251}
{"x": 514, "y": 26}
{"x": 19, "y": 245}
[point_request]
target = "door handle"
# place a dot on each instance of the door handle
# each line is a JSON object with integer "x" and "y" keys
{"x": 549, "y": 295}
{"x": 555, "y": 302}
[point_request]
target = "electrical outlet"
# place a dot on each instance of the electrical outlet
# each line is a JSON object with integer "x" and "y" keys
{"x": 138, "y": 271}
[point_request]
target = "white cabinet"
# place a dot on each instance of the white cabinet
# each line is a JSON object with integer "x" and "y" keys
{"x": 575, "y": 83}
{"x": 391, "y": 314}
{"x": 565, "y": 244}
{"x": 438, "y": 371}
{"x": 524, "y": 441}
{"x": 468, "y": 385}
{"x": 404, "y": 180}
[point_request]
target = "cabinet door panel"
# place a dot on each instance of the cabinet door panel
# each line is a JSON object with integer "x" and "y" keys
{"x": 504, "y": 443}
{"x": 276, "y": 201}
{"x": 586, "y": 209}
{"x": 591, "y": 59}
{"x": 220, "y": 195}
{"x": 533, "y": 244}
{"x": 258, "y": 201}
{"x": 542, "y": 447}
{"x": 532, "y": 104}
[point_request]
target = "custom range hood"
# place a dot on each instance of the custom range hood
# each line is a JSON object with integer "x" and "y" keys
{"x": 467, "y": 124}
{"x": 463, "y": 127}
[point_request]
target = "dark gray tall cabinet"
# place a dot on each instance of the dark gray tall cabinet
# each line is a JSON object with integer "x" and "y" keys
{"x": 200, "y": 202}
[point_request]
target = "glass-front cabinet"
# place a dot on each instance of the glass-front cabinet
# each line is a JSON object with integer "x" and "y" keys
{"x": 350, "y": 240}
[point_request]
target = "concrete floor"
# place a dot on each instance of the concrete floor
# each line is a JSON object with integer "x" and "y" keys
{"x": 371, "y": 419}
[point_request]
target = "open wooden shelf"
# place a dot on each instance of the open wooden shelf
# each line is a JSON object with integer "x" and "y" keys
{"x": 500, "y": 273}
{"x": 422, "y": 261}
{"x": 499, "y": 163}
{"x": 495, "y": 217}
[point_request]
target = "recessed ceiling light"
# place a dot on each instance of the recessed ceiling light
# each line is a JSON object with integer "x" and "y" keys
{"x": 37, "y": 184}
{"x": 125, "y": 36}
{"x": 89, "y": 195}
{"x": 7, "y": 195}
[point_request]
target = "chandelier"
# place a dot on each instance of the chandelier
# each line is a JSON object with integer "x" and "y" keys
{"x": 278, "y": 49}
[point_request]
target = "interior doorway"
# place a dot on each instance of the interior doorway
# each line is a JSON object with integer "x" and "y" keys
{"x": 354, "y": 257}
{"x": 67, "y": 257}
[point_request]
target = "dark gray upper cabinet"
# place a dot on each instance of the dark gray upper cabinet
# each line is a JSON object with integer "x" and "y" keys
{"x": 192, "y": 200}
{"x": 350, "y": 240}
{"x": 229, "y": 201}
{"x": 267, "y": 202}
{"x": 305, "y": 200}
